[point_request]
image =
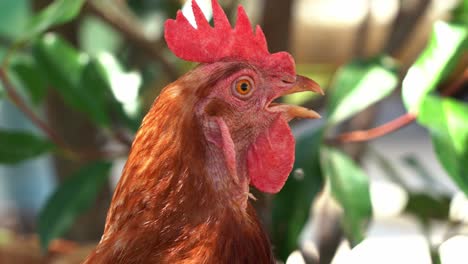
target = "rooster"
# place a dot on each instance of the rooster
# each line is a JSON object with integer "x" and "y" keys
{"x": 183, "y": 196}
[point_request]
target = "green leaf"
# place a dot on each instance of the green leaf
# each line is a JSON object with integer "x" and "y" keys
{"x": 447, "y": 43}
{"x": 291, "y": 206}
{"x": 358, "y": 85}
{"x": 350, "y": 186}
{"x": 427, "y": 207}
{"x": 14, "y": 15}
{"x": 72, "y": 198}
{"x": 96, "y": 36}
{"x": 17, "y": 146}
{"x": 2, "y": 90}
{"x": 460, "y": 14}
{"x": 59, "y": 12}
{"x": 124, "y": 86}
{"x": 27, "y": 70}
{"x": 447, "y": 121}
{"x": 72, "y": 75}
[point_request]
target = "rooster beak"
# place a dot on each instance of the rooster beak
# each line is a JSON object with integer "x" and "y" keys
{"x": 301, "y": 84}
{"x": 304, "y": 84}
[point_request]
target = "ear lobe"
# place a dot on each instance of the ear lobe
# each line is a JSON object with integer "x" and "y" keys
{"x": 217, "y": 133}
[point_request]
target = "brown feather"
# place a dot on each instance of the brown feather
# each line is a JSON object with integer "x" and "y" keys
{"x": 165, "y": 208}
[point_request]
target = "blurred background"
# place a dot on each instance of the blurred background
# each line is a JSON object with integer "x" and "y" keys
{"x": 78, "y": 76}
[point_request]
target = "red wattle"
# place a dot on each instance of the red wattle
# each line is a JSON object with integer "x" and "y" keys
{"x": 270, "y": 158}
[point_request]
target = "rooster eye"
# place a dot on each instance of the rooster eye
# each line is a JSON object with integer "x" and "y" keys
{"x": 242, "y": 87}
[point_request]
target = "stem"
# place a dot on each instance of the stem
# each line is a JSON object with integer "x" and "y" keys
{"x": 132, "y": 34}
{"x": 385, "y": 129}
{"x": 19, "y": 102}
{"x": 49, "y": 132}
{"x": 397, "y": 123}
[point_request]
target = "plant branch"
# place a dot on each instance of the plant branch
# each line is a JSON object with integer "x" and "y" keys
{"x": 64, "y": 149}
{"x": 385, "y": 129}
{"x": 19, "y": 102}
{"x": 397, "y": 123}
{"x": 132, "y": 34}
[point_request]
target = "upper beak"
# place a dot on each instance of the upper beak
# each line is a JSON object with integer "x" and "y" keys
{"x": 304, "y": 84}
{"x": 301, "y": 84}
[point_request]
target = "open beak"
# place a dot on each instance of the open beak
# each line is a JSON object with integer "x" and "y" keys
{"x": 301, "y": 84}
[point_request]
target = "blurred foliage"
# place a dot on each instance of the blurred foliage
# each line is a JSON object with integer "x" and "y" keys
{"x": 18, "y": 146}
{"x": 92, "y": 78}
{"x": 292, "y": 205}
{"x": 372, "y": 79}
{"x": 74, "y": 196}
{"x": 350, "y": 186}
{"x": 448, "y": 42}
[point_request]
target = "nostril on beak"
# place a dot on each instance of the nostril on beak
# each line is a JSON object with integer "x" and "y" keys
{"x": 289, "y": 79}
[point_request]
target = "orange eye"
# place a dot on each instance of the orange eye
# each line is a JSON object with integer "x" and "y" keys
{"x": 243, "y": 87}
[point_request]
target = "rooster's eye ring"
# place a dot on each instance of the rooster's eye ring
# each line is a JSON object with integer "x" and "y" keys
{"x": 243, "y": 87}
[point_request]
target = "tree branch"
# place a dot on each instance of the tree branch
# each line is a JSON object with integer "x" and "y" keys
{"x": 385, "y": 129}
{"x": 397, "y": 123}
{"x": 19, "y": 102}
{"x": 49, "y": 132}
{"x": 132, "y": 34}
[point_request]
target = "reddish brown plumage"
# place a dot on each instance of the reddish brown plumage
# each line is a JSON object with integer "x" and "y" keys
{"x": 183, "y": 195}
{"x": 165, "y": 209}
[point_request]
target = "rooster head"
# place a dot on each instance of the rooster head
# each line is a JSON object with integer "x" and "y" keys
{"x": 235, "y": 88}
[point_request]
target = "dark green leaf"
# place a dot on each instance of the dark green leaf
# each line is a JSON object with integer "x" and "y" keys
{"x": 460, "y": 15}
{"x": 358, "y": 85}
{"x": 71, "y": 199}
{"x": 447, "y": 120}
{"x": 440, "y": 56}
{"x": 350, "y": 186}
{"x": 33, "y": 81}
{"x": 291, "y": 206}
{"x": 17, "y": 146}
{"x": 94, "y": 87}
{"x": 71, "y": 74}
{"x": 427, "y": 207}
{"x": 59, "y": 12}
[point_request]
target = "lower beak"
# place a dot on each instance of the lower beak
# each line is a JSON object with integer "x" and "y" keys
{"x": 301, "y": 84}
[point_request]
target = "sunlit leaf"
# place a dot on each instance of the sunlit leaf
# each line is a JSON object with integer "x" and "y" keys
{"x": 124, "y": 85}
{"x": 440, "y": 56}
{"x": 119, "y": 89}
{"x": 16, "y": 146}
{"x": 350, "y": 186}
{"x": 72, "y": 198}
{"x": 72, "y": 75}
{"x": 291, "y": 206}
{"x": 447, "y": 120}
{"x": 29, "y": 74}
{"x": 58, "y": 12}
{"x": 358, "y": 85}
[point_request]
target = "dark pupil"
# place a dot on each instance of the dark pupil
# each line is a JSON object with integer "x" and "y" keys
{"x": 244, "y": 87}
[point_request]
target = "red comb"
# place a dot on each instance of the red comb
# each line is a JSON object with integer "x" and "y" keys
{"x": 208, "y": 44}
